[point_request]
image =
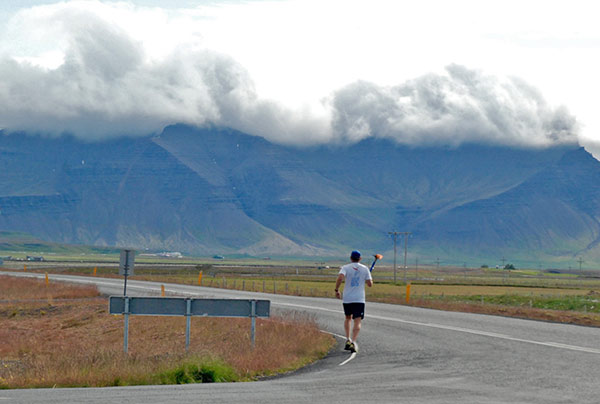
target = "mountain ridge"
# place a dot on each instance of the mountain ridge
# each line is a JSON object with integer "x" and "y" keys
{"x": 207, "y": 190}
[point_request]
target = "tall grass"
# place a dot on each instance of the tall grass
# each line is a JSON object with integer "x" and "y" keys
{"x": 77, "y": 343}
{"x": 12, "y": 288}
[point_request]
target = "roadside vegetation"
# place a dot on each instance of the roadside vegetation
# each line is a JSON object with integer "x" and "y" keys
{"x": 571, "y": 297}
{"x": 61, "y": 335}
{"x": 566, "y": 298}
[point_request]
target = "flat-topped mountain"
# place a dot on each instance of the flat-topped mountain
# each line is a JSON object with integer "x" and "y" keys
{"x": 212, "y": 190}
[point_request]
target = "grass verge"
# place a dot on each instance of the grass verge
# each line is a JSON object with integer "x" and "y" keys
{"x": 59, "y": 336}
{"x": 568, "y": 298}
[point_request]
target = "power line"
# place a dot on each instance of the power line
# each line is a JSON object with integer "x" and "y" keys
{"x": 395, "y": 235}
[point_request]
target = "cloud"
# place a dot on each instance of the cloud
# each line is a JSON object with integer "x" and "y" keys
{"x": 108, "y": 86}
{"x": 460, "y": 106}
{"x": 108, "y": 83}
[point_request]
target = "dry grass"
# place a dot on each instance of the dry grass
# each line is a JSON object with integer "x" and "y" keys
{"x": 12, "y": 288}
{"x": 77, "y": 343}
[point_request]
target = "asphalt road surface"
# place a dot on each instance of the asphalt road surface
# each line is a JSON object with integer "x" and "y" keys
{"x": 407, "y": 355}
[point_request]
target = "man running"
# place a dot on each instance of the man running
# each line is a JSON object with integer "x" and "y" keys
{"x": 354, "y": 276}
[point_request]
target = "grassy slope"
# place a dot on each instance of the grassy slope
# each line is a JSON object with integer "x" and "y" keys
{"x": 11, "y": 242}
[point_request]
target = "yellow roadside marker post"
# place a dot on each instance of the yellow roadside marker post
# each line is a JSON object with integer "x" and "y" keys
{"x": 162, "y": 290}
{"x": 47, "y": 281}
{"x": 407, "y": 293}
{"x": 95, "y": 269}
{"x": 24, "y": 268}
{"x": 200, "y": 279}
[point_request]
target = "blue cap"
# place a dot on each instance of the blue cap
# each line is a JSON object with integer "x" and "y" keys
{"x": 355, "y": 255}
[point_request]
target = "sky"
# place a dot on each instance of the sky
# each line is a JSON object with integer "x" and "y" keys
{"x": 516, "y": 73}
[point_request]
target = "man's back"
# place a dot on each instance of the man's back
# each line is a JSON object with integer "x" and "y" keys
{"x": 356, "y": 274}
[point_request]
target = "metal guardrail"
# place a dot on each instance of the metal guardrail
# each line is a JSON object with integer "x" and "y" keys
{"x": 178, "y": 306}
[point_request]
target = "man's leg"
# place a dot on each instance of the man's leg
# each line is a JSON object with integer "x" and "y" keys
{"x": 347, "y": 329}
{"x": 347, "y": 326}
{"x": 356, "y": 328}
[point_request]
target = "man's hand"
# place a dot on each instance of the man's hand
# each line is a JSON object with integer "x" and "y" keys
{"x": 338, "y": 294}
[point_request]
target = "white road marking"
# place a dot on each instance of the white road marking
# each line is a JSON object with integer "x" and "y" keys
{"x": 349, "y": 359}
{"x": 463, "y": 330}
{"x": 344, "y": 338}
{"x": 335, "y": 335}
{"x": 417, "y": 323}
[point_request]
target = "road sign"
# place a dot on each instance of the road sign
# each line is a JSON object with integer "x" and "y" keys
{"x": 179, "y": 306}
{"x": 127, "y": 262}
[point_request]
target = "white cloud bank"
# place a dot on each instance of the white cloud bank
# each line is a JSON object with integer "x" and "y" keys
{"x": 461, "y": 106}
{"x": 107, "y": 84}
{"x": 99, "y": 69}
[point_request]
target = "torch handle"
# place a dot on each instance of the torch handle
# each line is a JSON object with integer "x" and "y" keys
{"x": 372, "y": 265}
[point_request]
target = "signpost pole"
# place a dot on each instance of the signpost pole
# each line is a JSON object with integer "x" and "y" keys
{"x": 126, "y": 272}
{"x": 253, "y": 322}
{"x": 126, "y": 328}
{"x": 188, "y": 321}
{"x": 126, "y": 264}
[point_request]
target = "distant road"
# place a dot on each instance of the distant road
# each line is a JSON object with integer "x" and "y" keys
{"x": 407, "y": 355}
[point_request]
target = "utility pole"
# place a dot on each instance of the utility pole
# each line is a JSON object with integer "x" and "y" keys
{"x": 581, "y": 261}
{"x": 437, "y": 261}
{"x": 406, "y": 234}
{"x": 395, "y": 235}
{"x": 504, "y": 273}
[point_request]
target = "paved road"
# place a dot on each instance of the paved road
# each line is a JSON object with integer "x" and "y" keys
{"x": 408, "y": 355}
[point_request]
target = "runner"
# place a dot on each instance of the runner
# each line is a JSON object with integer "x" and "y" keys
{"x": 354, "y": 275}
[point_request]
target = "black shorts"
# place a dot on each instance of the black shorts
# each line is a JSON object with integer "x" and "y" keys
{"x": 355, "y": 310}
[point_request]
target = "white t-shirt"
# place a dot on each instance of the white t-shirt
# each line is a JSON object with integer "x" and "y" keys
{"x": 355, "y": 275}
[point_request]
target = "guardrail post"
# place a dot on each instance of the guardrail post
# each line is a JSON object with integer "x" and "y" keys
{"x": 188, "y": 323}
{"x": 126, "y": 328}
{"x": 253, "y": 323}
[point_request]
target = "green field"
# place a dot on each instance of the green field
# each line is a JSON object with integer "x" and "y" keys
{"x": 486, "y": 290}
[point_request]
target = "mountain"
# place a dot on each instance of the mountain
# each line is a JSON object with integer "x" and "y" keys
{"x": 216, "y": 190}
{"x": 555, "y": 212}
{"x": 25, "y": 243}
